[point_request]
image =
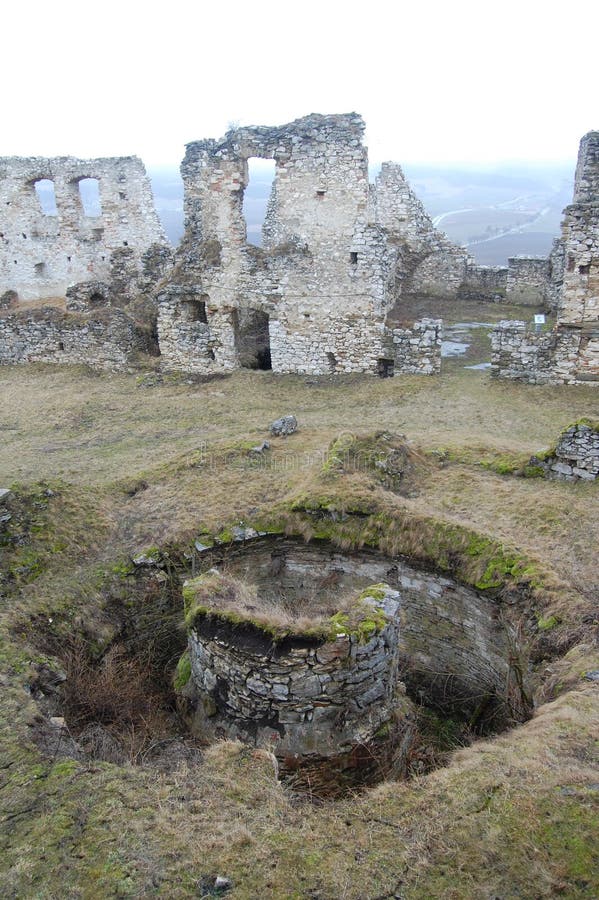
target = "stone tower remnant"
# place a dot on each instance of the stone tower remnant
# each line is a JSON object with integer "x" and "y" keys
{"x": 337, "y": 253}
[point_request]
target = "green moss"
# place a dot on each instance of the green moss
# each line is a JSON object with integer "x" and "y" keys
{"x": 361, "y": 621}
{"x": 182, "y": 672}
{"x": 585, "y": 420}
{"x": 544, "y": 455}
{"x": 548, "y": 623}
{"x": 533, "y": 471}
{"x": 122, "y": 568}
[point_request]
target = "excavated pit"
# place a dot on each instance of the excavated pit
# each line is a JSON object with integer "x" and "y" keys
{"x": 352, "y": 667}
{"x": 278, "y": 657}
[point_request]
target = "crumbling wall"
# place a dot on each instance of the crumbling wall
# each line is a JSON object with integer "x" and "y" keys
{"x": 59, "y": 233}
{"x": 553, "y": 288}
{"x": 318, "y": 282}
{"x": 108, "y": 339}
{"x": 570, "y": 353}
{"x": 337, "y": 254}
{"x": 417, "y": 350}
{"x": 483, "y": 283}
{"x": 527, "y": 280}
{"x": 428, "y": 261}
{"x": 576, "y": 455}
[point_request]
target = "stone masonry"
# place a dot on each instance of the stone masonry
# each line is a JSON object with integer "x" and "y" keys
{"x": 570, "y": 352}
{"x": 107, "y": 339}
{"x": 338, "y": 253}
{"x": 576, "y": 455}
{"x": 308, "y": 698}
{"x": 62, "y": 220}
{"x": 527, "y": 280}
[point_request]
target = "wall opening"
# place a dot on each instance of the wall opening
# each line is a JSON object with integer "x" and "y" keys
{"x": 261, "y": 174}
{"x": 584, "y": 270}
{"x": 353, "y": 258}
{"x": 44, "y": 189}
{"x": 89, "y": 194}
{"x": 97, "y": 299}
{"x": 332, "y": 362}
{"x": 193, "y": 309}
{"x": 385, "y": 368}
{"x": 252, "y": 338}
{"x": 40, "y": 268}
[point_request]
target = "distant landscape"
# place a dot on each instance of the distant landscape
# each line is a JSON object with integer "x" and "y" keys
{"x": 496, "y": 213}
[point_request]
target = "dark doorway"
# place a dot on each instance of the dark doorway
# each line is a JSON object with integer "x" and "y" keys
{"x": 252, "y": 338}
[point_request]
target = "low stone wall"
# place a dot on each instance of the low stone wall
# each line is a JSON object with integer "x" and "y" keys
{"x": 576, "y": 456}
{"x": 528, "y": 280}
{"x": 562, "y": 356}
{"x": 483, "y": 283}
{"x": 107, "y": 340}
{"x": 417, "y": 350}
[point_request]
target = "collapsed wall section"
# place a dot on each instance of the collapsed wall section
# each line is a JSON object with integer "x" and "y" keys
{"x": 108, "y": 339}
{"x": 61, "y": 219}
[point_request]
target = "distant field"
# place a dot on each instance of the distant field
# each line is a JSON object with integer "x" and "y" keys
{"x": 527, "y": 243}
{"x": 476, "y": 224}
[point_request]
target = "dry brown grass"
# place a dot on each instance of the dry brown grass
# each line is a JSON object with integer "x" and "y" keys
{"x": 510, "y": 817}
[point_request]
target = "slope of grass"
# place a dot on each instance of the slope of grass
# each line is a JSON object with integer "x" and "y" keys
{"x": 131, "y": 467}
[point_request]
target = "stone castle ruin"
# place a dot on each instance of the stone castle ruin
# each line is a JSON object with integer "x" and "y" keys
{"x": 570, "y": 352}
{"x": 336, "y": 250}
{"x": 322, "y": 295}
{"x": 64, "y": 218}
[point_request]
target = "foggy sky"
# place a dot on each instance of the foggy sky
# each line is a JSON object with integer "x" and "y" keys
{"x": 435, "y": 81}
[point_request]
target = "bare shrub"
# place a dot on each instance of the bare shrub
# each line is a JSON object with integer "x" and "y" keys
{"x": 114, "y": 705}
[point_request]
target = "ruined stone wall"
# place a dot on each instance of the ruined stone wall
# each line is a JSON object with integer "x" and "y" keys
{"x": 337, "y": 254}
{"x": 580, "y": 234}
{"x": 321, "y": 275}
{"x": 428, "y": 263}
{"x": 108, "y": 339}
{"x": 576, "y": 455}
{"x": 483, "y": 283}
{"x": 527, "y": 280}
{"x": 417, "y": 350}
{"x": 553, "y": 288}
{"x": 570, "y": 353}
{"x": 44, "y": 249}
{"x": 548, "y": 357}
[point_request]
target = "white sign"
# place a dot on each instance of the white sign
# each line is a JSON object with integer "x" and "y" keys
{"x": 540, "y": 319}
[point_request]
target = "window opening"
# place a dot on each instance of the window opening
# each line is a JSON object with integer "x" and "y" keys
{"x": 89, "y": 194}
{"x": 261, "y": 174}
{"x": 46, "y": 196}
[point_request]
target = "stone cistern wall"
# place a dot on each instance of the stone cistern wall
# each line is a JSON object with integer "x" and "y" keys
{"x": 320, "y": 696}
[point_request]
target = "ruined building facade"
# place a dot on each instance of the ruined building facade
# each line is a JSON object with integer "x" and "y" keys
{"x": 63, "y": 218}
{"x": 337, "y": 253}
{"x": 322, "y": 295}
{"x": 570, "y": 352}
{"x": 82, "y": 231}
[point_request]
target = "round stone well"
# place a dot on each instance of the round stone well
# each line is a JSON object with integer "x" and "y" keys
{"x": 324, "y": 655}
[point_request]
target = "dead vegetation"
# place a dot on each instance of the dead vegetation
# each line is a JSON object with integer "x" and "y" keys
{"x": 515, "y": 816}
